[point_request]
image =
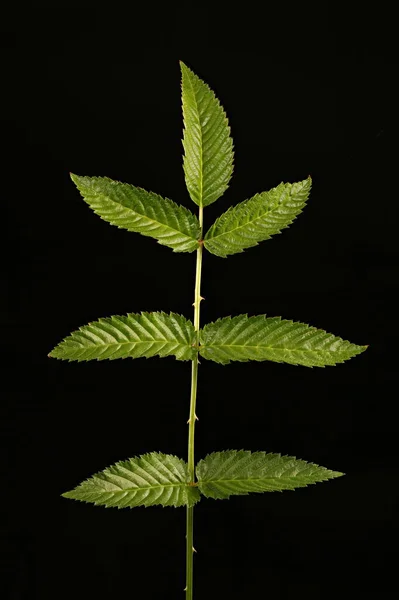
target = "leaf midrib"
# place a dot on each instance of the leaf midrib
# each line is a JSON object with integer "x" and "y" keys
{"x": 107, "y": 198}
{"x": 264, "y": 348}
{"x": 137, "y": 489}
{"x": 224, "y": 233}
{"x": 247, "y": 479}
{"x": 133, "y": 342}
{"x": 201, "y": 182}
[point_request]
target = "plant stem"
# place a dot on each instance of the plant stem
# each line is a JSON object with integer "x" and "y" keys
{"x": 192, "y": 418}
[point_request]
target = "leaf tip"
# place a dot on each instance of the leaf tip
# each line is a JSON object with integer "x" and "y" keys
{"x": 67, "y": 494}
{"x": 75, "y": 178}
{"x": 361, "y": 349}
{"x": 54, "y": 353}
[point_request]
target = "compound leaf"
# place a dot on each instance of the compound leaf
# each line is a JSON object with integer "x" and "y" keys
{"x": 259, "y": 338}
{"x": 257, "y": 219}
{"x": 208, "y": 147}
{"x": 239, "y": 472}
{"x": 132, "y": 208}
{"x": 134, "y": 335}
{"x": 150, "y": 479}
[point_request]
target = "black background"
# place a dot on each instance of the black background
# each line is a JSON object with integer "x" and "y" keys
{"x": 308, "y": 90}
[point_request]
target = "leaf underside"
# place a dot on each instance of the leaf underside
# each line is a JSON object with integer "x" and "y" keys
{"x": 239, "y": 472}
{"x": 257, "y": 219}
{"x": 244, "y": 338}
{"x": 134, "y": 335}
{"x": 147, "y": 480}
{"x": 208, "y": 147}
{"x": 132, "y": 208}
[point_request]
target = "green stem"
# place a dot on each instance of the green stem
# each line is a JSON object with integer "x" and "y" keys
{"x": 192, "y": 418}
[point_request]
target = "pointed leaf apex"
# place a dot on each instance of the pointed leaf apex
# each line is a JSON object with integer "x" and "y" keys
{"x": 222, "y": 474}
{"x": 68, "y": 495}
{"x": 75, "y": 178}
{"x": 272, "y": 338}
{"x": 334, "y": 474}
{"x": 184, "y": 69}
{"x": 208, "y": 147}
{"x": 135, "y": 209}
{"x": 257, "y": 219}
{"x": 132, "y": 335}
{"x": 153, "y": 478}
{"x": 184, "y": 66}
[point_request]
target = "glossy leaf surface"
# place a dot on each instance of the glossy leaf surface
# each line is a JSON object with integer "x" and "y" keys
{"x": 257, "y": 219}
{"x": 150, "y": 479}
{"x": 132, "y": 208}
{"x": 133, "y": 335}
{"x": 244, "y": 338}
{"x": 208, "y": 147}
{"x": 239, "y": 472}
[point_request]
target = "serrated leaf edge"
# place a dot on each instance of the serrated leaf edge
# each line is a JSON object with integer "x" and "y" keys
{"x": 361, "y": 348}
{"x": 120, "y": 463}
{"x": 90, "y": 323}
{"x": 209, "y": 239}
{"x": 331, "y": 474}
{"x": 219, "y": 104}
{"x": 172, "y": 204}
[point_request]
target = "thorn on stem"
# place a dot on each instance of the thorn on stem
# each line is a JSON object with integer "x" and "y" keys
{"x": 200, "y": 298}
{"x": 194, "y": 550}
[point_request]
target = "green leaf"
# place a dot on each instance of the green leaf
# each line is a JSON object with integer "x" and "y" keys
{"x": 134, "y": 335}
{"x": 259, "y": 338}
{"x": 150, "y": 479}
{"x": 257, "y": 219}
{"x": 132, "y": 208}
{"x": 239, "y": 472}
{"x": 208, "y": 159}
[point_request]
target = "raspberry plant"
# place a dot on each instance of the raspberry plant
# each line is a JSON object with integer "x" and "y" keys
{"x": 156, "y": 478}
